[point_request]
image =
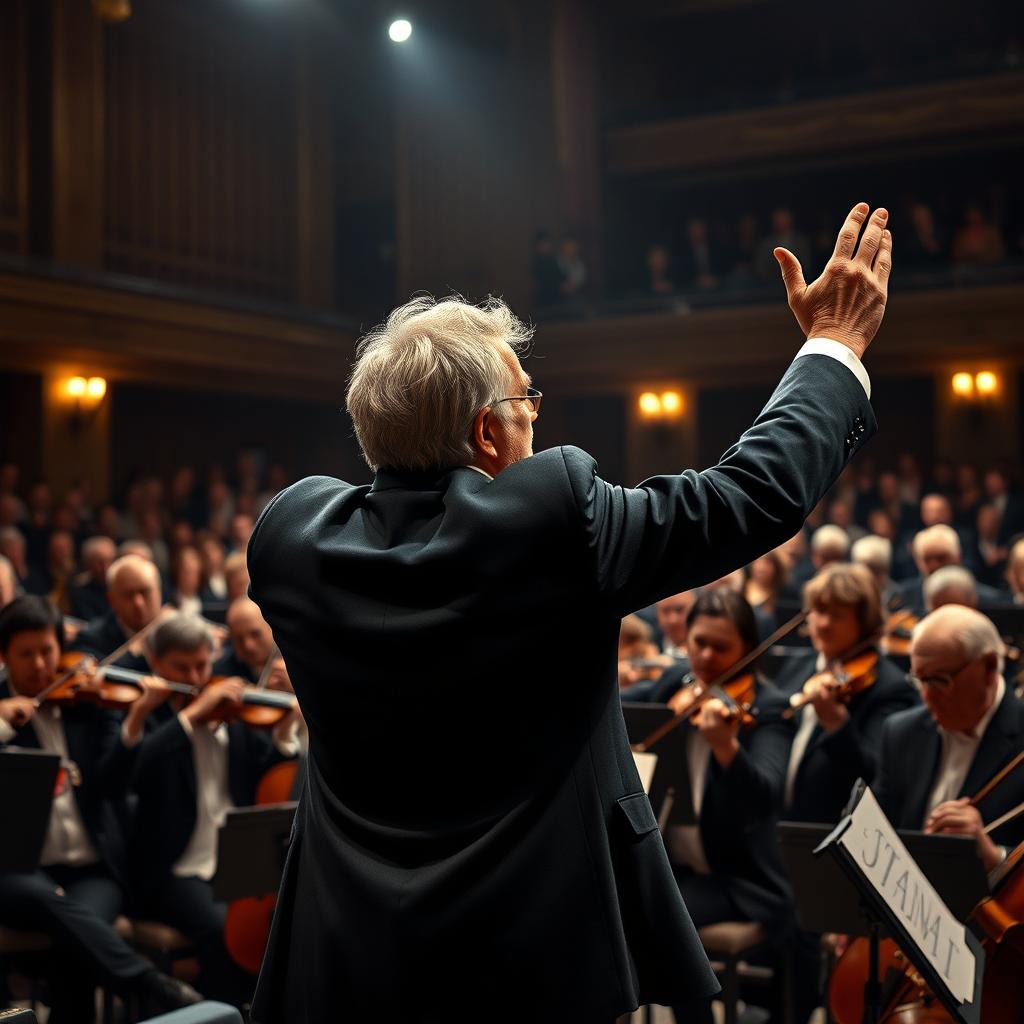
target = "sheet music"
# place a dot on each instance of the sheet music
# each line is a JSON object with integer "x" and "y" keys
{"x": 880, "y": 855}
{"x": 645, "y": 765}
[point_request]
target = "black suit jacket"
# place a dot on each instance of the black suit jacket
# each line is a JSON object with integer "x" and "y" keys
{"x": 833, "y": 762}
{"x": 94, "y": 743}
{"x": 910, "y": 751}
{"x": 164, "y": 783}
{"x": 458, "y": 839}
{"x": 103, "y": 636}
{"x": 89, "y": 600}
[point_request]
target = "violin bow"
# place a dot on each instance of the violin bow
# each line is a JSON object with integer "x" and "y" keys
{"x": 751, "y": 656}
{"x": 996, "y": 779}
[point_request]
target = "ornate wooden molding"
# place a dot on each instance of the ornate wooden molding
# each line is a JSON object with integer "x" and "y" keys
{"x": 989, "y": 103}
{"x": 124, "y": 334}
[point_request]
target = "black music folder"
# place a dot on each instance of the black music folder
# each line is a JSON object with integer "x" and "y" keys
{"x": 669, "y": 790}
{"x": 27, "y": 781}
{"x": 251, "y": 847}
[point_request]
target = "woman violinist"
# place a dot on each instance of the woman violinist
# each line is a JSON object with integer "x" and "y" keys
{"x": 727, "y": 865}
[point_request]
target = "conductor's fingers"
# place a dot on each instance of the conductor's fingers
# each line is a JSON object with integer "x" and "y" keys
{"x": 850, "y": 231}
{"x": 792, "y": 274}
{"x": 883, "y": 260}
{"x": 872, "y": 237}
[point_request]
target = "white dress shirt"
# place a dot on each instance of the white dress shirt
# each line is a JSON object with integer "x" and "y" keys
{"x": 958, "y": 751}
{"x": 213, "y": 798}
{"x": 845, "y": 355}
{"x": 67, "y": 839}
{"x": 684, "y": 843}
{"x": 808, "y": 721}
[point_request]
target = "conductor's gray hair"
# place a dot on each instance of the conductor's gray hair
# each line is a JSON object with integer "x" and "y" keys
{"x": 422, "y": 376}
{"x": 179, "y": 632}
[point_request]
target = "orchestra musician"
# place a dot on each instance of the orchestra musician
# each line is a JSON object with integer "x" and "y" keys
{"x": 88, "y": 593}
{"x": 727, "y": 866}
{"x": 935, "y": 758}
{"x": 252, "y": 642}
{"x": 77, "y": 892}
{"x": 505, "y": 845}
{"x": 190, "y": 771}
{"x": 134, "y": 596}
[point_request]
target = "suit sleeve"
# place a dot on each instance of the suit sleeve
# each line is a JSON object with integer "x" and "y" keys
{"x": 673, "y": 533}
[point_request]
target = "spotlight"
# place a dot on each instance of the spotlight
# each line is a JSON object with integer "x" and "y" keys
{"x": 400, "y": 30}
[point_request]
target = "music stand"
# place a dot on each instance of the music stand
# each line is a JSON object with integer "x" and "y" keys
{"x": 897, "y": 897}
{"x": 826, "y": 903}
{"x": 669, "y": 791}
{"x": 27, "y": 781}
{"x": 251, "y": 847}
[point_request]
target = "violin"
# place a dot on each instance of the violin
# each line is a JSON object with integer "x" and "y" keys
{"x": 110, "y": 686}
{"x": 898, "y": 631}
{"x": 854, "y": 672}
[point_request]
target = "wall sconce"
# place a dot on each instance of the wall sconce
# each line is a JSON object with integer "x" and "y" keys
{"x": 86, "y": 394}
{"x": 983, "y": 384}
{"x": 666, "y": 406}
{"x": 112, "y": 10}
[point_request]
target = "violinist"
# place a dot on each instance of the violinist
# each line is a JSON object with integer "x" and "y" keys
{"x": 727, "y": 866}
{"x": 191, "y": 770}
{"x": 133, "y": 592}
{"x": 935, "y": 758}
{"x": 834, "y": 740}
{"x": 77, "y": 892}
{"x": 251, "y": 641}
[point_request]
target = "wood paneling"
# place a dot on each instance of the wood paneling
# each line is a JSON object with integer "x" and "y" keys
{"x": 200, "y": 150}
{"x": 13, "y": 128}
{"x": 990, "y": 104}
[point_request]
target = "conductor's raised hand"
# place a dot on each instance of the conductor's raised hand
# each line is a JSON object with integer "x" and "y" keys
{"x": 847, "y": 302}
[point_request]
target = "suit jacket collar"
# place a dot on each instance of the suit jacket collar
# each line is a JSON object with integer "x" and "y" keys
{"x": 388, "y": 478}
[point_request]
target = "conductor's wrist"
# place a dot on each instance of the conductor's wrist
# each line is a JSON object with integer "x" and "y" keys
{"x": 853, "y": 340}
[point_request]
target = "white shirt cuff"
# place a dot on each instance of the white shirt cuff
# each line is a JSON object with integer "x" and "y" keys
{"x": 845, "y": 355}
{"x": 7, "y": 731}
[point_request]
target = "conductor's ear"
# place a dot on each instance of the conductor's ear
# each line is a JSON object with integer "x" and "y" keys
{"x": 482, "y": 437}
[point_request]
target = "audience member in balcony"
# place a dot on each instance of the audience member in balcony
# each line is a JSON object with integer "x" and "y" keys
{"x": 88, "y": 592}
{"x": 659, "y": 271}
{"x": 829, "y": 544}
{"x": 911, "y": 480}
{"x": 236, "y": 575}
{"x": 240, "y": 531}
{"x": 967, "y": 497}
{"x": 952, "y": 584}
{"x": 784, "y": 234}
{"x": 29, "y": 579}
{"x": 220, "y": 507}
{"x": 212, "y": 552}
{"x": 9, "y": 476}
{"x": 943, "y": 478}
{"x": 36, "y": 529}
{"x": 743, "y": 258}
{"x": 61, "y": 567}
{"x": 572, "y": 267}
{"x": 699, "y": 260}
{"x": 151, "y": 530}
{"x": 181, "y": 536}
{"x": 840, "y": 513}
{"x": 186, "y": 579}
{"x": 182, "y": 495}
{"x": 875, "y": 554}
{"x": 108, "y": 523}
{"x": 989, "y": 556}
{"x": 927, "y": 247}
{"x": 547, "y": 274}
{"x": 978, "y": 242}
{"x": 11, "y": 507}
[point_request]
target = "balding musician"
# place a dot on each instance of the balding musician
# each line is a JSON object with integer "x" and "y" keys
{"x": 934, "y": 548}
{"x": 458, "y": 844}
{"x": 952, "y": 584}
{"x": 251, "y": 642}
{"x": 935, "y": 758}
{"x": 133, "y": 592}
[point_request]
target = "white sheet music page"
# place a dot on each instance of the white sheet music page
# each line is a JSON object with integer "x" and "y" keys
{"x": 883, "y": 859}
{"x": 645, "y": 765}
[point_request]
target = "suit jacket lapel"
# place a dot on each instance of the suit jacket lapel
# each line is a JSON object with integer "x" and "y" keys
{"x": 926, "y": 753}
{"x": 995, "y": 747}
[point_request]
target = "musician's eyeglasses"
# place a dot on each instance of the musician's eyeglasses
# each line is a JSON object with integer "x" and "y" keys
{"x": 942, "y": 680}
{"x": 532, "y": 397}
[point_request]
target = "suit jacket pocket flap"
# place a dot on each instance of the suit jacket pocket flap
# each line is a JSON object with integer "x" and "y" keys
{"x": 639, "y": 813}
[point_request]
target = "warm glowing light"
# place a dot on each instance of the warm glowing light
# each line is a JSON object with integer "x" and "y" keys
{"x": 671, "y": 403}
{"x": 650, "y": 404}
{"x": 96, "y": 388}
{"x": 963, "y": 384}
{"x": 77, "y": 387}
{"x": 400, "y": 30}
{"x": 986, "y": 382}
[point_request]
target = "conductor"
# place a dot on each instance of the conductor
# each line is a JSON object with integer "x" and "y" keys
{"x": 473, "y": 841}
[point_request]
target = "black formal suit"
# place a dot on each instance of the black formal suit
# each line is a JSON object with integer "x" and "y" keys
{"x": 458, "y": 840}
{"x": 89, "y": 600}
{"x": 832, "y": 762}
{"x": 103, "y": 636}
{"x": 911, "y": 748}
{"x": 230, "y": 664}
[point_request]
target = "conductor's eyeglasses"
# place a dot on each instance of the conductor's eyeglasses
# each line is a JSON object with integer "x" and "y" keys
{"x": 532, "y": 397}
